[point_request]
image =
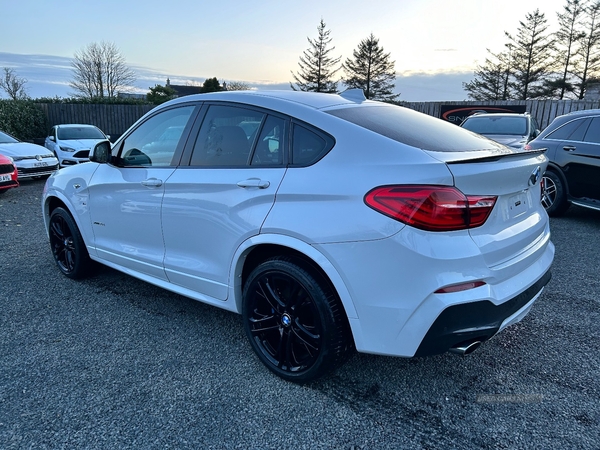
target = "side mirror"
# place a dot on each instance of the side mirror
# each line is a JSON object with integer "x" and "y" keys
{"x": 52, "y": 138}
{"x": 101, "y": 153}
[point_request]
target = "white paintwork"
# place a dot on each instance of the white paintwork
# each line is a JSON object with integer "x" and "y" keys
{"x": 191, "y": 232}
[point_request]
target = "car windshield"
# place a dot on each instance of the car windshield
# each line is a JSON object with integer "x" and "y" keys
{"x": 70, "y": 133}
{"x": 497, "y": 125}
{"x": 7, "y": 139}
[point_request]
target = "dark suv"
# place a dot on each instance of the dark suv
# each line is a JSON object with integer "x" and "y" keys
{"x": 511, "y": 129}
{"x": 573, "y": 174}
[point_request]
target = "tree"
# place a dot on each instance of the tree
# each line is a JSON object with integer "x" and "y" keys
{"x": 532, "y": 56}
{"x": 13, "y": 85}
{"x": 587, "y": 66}
{"x": 317, "y": 67}
{"x": 371, "y": 70}
{"x": 99, "y": 70}
{"x": 236, "y": 86}
{"x": 492, "y": 80}
{"x": 568, "y": 38}
{"x": 160, "y": 94}
{"x": 211, "y": 85}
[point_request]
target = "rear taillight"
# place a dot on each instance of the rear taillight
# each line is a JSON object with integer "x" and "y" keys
{"x": 431, "y": 208}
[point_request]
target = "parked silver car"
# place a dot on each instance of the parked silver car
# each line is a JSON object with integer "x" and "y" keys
{"x": 511, "y": 129}
{"x": 31, "y": 160}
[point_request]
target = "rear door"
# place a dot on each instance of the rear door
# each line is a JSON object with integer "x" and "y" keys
{"x": 223, "y": 196}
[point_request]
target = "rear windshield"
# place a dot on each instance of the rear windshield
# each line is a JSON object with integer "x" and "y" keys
{"x": 70, "y": 133}
{"x": 413, "y": 128}
{"x": 516, "y": 126}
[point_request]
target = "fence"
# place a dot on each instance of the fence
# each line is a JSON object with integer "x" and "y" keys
{"x": 116, "y": 119}
{"x": 544, "y": 111}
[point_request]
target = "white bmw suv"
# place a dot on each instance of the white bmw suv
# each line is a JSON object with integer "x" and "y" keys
{"x": 330, "y": 222}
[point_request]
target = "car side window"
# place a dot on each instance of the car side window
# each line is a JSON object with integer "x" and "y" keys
{"x": 226, "y": 136}
{"x": 270, "y": 143}
{"x": 154, "y": 142}
{"x": 308, "y": 146}
{"x": 572, "y": 131}
{"x": 593, "y": 132}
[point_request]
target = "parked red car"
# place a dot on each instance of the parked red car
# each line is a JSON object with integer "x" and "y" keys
{"x": 8, "y": 174}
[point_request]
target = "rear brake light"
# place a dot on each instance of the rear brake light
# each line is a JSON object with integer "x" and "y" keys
{"x": 431, "y": 208}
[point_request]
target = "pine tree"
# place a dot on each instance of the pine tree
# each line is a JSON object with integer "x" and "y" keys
{"x": 587, "y": 66}
{"x": 532, "y": 56}
{"x": 492, "y": 80}
{"x": 568, "y": 39}
{"x": 317, "y": 67}
{"x": 371, "y": 70}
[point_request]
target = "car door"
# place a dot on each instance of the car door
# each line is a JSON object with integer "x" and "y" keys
{"x": 223, "y": 196}
{"x": 126, "y": 195}
{"x": 579, "y": 156}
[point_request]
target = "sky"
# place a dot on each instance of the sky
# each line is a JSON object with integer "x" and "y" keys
{"x": 436, "y": 44}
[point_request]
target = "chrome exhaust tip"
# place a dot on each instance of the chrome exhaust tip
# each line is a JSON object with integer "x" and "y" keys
{"x": 466, "y": 348}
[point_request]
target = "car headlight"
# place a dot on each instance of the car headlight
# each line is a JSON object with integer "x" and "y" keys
{"x": 66, "y": 149}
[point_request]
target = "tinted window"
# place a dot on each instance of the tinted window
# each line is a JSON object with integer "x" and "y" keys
{"x": 406, "y": 126}
{"x": 155, "y": 141}
{"x": 270, "y": 144}
{"x": 308, "y": 146}
{"x": 226, "y": 136}
{"x": 497, "y": 125}
{"x": 573, "y": 131}
{"x": 593, "y": 132}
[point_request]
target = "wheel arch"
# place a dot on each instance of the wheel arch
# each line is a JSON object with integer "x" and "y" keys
{"x": 262, "y": 247}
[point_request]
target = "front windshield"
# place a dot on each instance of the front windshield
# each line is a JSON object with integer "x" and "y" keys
{"x": 7, "y": 139}
{"x": 497, "y": 125}
{"x": 72, "y": 133}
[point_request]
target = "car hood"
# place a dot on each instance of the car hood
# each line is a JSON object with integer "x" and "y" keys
{"x": 79, "y": 144}
{"x": 511, "y": 141}
{"x": 23, "y": 149}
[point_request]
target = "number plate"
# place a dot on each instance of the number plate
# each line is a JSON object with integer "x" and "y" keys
{"x": 518, "y": 204}
{"x": 40, "y": 164}
{"x": 5, "y": 178}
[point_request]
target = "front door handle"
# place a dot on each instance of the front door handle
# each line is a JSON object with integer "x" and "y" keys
{"x": 152, "y": 182}
{"x": 254, "y": 182}
{"x": 569, "y": 148}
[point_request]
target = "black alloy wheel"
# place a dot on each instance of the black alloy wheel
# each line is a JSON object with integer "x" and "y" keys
{"x": 294, "y": 321}
{"x": 67, "y": 245}
{"x": 554, "y": 197}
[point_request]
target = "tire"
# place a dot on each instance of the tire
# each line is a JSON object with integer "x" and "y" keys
{"x": 554, "y": 195}
{"x": 295, "y": 322}
{"x": 68, "y": 248}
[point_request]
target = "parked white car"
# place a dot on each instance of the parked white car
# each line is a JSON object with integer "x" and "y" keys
{"x": 328, "y": 221}
{"x": 71, "y": 143}
{"x": 31, "y": 160}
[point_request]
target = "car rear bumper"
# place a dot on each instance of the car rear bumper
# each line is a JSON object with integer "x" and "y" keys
{"x": 477, "y": 321}
{"x": 394, "y": 285}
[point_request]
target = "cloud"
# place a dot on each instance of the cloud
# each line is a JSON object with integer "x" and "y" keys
{"x": 49, "y": 76}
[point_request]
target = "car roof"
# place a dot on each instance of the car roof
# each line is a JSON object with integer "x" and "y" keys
{"x": 75, "y": 125}
{"x": 274, "y": 98}
{"x": 584, "y": 112}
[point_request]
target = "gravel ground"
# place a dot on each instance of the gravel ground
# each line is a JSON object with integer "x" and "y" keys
{"x": 114, "y": 363}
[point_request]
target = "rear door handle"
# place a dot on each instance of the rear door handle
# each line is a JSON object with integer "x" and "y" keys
{"x": 152, "y": 182}
{"x": 254, "y": 182}
{"x": 569, "y": 148}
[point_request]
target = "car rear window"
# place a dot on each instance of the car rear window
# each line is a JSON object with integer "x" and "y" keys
{"x": 413, "y": 128}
